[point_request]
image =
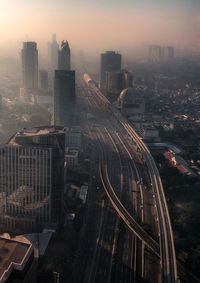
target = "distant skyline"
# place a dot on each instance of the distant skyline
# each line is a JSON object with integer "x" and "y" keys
{"x": 96, "y": 26}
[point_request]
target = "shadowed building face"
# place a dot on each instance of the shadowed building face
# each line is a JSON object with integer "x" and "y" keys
{"x": 64, "y": 56}
{"x": 110, "y": 62}
{"x": 32, "y": 177}
{"x": 64, "y": 97}
{"x": 29, "y": 55}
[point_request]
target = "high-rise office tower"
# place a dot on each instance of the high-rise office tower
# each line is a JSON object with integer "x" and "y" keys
{"x": 43, "y": 80}
{"x": 128, "y": 79}
{"x": 110, "y": 61}
{"x": 159, "y": 54}
{"x": 64, "y": 56}
{"x": 53, "y": 50}
{"x": 32, "y": 179}
{"x": 117, "y": 81}
{"x": 29, "y": 55}
{"x": 156, "y": 53}
{"x": 1, "y": 102}
{"x": 64, "y": 97}
{"x": 169, "y": 53}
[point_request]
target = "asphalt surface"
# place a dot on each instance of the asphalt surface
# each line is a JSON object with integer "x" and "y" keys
{"x": 116, "y": 255}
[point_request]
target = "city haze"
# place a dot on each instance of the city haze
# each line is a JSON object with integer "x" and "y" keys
{"x": 100, "y": 141}
{"x": 95, "y": 26}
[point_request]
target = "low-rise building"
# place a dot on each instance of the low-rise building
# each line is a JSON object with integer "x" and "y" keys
{"x": 150, "y": 134}
{"x": 44, "y": 99}
{"x": 71, "y": 158}
{"x": 131, "y": 103}
{"x": 83, "y": 193}
{"x": 17, "y": 263}
{"x": 73, "y": 137}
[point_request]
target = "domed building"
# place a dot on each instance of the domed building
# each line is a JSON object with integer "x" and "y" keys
{"x": 131, "y": 102}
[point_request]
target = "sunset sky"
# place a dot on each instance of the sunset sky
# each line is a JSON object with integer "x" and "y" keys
{"x": 98, "y": 25}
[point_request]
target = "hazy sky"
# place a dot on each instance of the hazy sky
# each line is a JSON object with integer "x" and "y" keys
{"x": 98, "y": 25}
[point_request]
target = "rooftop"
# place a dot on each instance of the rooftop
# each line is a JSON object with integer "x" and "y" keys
{"x": 44, "y": 130}
{"x": 70, "y": 152}
{"x": 14, "y": 253}
{"x": 36, "y": 131}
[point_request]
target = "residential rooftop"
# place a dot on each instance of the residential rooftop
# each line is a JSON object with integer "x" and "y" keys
{"x": 14, "y": 254}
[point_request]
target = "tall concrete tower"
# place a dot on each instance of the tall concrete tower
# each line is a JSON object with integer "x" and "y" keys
{"x": 169, "y": 53}
{"x": 29, "y": 56}
{"x": 64, "y": 97}
{"x": 110, "y": 62}
{"x": 53, "y": 49}
{"x": 32, "y": 179}
{"x": 64, "y": 60}
{"x": 156, "y": 54}
{"x": 43, "y": 80}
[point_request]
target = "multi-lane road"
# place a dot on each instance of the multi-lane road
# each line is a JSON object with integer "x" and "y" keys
{"x": 134, "y": 239}
{"x": 120, "y": 256}
{"x": 167, "y": 251}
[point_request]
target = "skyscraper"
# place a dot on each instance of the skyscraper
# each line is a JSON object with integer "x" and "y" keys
{"x": 156, "y": 53}
{"x": 117, "y": 81}
{"x": 1, "y": 102}
{"x": 32, "y": 179}
{"x": 64, "y": 97}
{"x": 43, "y": 79}
{"x": 64, "y": 56}
{"x": 169, "y": 53}
{"x": 53, "y": 50}
{"x": 110, "y": 62}
{"x": 29, "y": 55}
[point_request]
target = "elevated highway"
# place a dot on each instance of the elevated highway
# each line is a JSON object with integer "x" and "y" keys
{"x": 123, "y": 213}
{"x": 167, "y": 250}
